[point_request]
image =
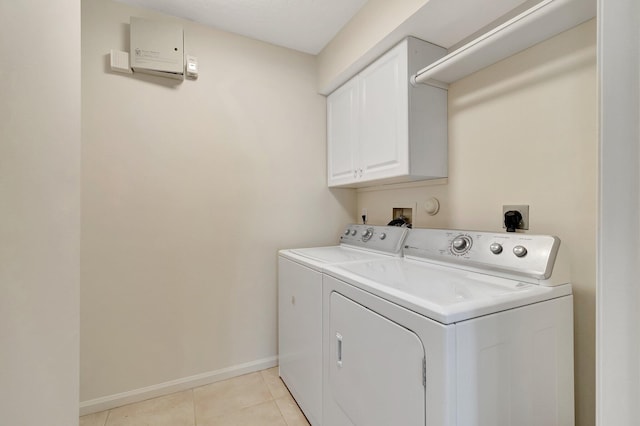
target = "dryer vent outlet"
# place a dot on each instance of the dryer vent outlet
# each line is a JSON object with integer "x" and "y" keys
{"x": 520, "y": 208}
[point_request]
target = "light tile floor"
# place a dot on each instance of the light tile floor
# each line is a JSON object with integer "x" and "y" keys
{"x": 256, "y": 399}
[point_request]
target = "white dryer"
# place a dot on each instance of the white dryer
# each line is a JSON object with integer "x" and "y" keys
{"x": 300, "y": 305}
{"x": 468, "y": 329}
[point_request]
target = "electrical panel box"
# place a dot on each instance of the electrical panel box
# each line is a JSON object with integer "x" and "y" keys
{"x": 157, "y": 47}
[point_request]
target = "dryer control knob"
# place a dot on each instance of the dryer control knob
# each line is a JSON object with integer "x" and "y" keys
{"x": 383, "y": 236}
{"x": 347, "y": 232}
{"x": 520, "y": 251}
{"x": 354, "y": 232}
{"x": 495, "y": 248}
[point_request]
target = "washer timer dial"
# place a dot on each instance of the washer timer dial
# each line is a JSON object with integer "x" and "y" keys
{"x": 461, "y": 244}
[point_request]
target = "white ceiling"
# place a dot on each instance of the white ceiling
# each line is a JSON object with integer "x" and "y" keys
{"x": 304, "y": 25}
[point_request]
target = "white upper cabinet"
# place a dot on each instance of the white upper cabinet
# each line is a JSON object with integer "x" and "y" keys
{"x": 342, "y": 117}
{"x": 383, "y": 117}
{"x": 381, "y": 129}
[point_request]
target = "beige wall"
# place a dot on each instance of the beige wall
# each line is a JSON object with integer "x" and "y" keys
{"x": 180, "y": 179}
{"x": 523, "y": 131}
{"x": 40, "y": 208}
{"x": 188, "y": 191}
{"x": 369, "y": 26}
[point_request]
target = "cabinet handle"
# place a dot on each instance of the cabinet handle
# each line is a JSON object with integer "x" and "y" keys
{"x": 339, "y": 346}
{"x": 355, "y": 173}
{"x": 360, "y": 172}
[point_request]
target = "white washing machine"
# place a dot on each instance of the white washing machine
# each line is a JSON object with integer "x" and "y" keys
{"x": 468, "y": 329}
{"x": 300, "y": 305}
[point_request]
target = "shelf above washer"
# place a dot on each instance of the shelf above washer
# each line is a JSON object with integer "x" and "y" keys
{"x": 541, "y": 22}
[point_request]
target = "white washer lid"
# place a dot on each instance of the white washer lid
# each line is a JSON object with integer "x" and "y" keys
{"x": 318, "y": 257}
{"x": 444, "y": 294}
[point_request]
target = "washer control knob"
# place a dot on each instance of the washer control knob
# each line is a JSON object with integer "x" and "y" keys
{"x": 495, "y": 248}
{"x": 460, "y": 243}
{"x": 520, "y": 251}
{"x": 347, "y": 232}
{"x": 354, "y": 232}
{"x": 367, "y": 234}
{"x": 383, "y": 236}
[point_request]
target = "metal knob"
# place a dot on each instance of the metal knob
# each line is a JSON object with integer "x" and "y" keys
{"x": 347, "y": 232}
{"x": 495, "y": 248}
{"x": 460, "y": 243}
{"x": 520, "y": 251}
{"x": 383, "y": 236}
{"x": 367, "y": 234}
{"x": 354, "y": 232}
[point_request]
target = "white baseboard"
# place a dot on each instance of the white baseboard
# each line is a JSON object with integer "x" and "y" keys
{"x": 137, "y": 395}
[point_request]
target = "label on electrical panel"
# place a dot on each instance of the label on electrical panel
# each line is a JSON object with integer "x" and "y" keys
{"x": 147, "y": 56}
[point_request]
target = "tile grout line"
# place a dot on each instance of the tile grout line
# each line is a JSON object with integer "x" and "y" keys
{"x": 286, "y": 397}
{"x": 273, "y": 397}
{"x": 267, "y": 384}
{"x": 193, "y": 403}
{"x": 281, "y": 413}
{"x": 265, "y": 379}
{"x": 245, "y": 407}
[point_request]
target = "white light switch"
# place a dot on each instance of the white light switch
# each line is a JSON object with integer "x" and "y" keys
{"x": 192, "y": 67}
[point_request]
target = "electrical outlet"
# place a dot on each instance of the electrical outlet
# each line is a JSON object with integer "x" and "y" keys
{"x": 524, "y": 211}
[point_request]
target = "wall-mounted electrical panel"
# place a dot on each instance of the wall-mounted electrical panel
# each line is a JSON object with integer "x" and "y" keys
{"x": 157, "y": 47}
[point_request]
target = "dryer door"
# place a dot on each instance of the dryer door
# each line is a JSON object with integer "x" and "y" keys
{"x": 376, "y": 367}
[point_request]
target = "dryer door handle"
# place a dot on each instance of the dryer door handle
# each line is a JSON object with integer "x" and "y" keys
{"x": 339, "y": 347}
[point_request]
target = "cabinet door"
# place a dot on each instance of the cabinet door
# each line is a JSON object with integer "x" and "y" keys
{"x": 384, "y": 137}
{"x": 342, "y": 134}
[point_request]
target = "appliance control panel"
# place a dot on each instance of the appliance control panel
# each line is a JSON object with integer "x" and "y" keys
{"x": 517, "y": 254}
{"x": 386, "y": 239}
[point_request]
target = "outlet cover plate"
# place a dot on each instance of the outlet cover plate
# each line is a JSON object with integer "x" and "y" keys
{"x": 524, "y": 211}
